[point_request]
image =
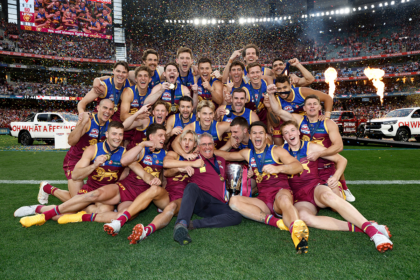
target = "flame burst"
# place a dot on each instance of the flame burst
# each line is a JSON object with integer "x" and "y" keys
{"x": 376, "y": 75}
{"x": 330, "y": 76}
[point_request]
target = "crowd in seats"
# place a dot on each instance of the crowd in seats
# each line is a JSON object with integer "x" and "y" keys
{"x": 55, "y": 44}
{"x": 12, "y": 115}
{"x": 44, "y": 89}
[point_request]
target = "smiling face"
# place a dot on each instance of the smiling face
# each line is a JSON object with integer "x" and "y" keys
{"x": 206, "y": 116}
{"x": 236, "y": 73}
{"x": 143, "y": 79}
{"x": 238, "y": 101}
{"x": 151, "y": 61}
{"x": 120, "y": 74}
{"x": 238, "y": 132}
{"x": 312, "y": 107}
{"x": 185, "y": 108}
{"x": 255, "y": 74}
{"x": 158, "y": 138}
{"x": 204, "y": 70}
{"x": 250, "y": 55}
{"x": 206, "y": 147}
{"x": 291, "y": 134}
{"x": 160, "y": 113}
{"x": 188, "y": 143}
{"x": 258, "y": 136}
{"x": 184, "y": 61}
{"x": 278, "y": 67}
{"x": 114, "y": 137}
{"x": 171, "y": 74}
{"x": 105, "y": 110}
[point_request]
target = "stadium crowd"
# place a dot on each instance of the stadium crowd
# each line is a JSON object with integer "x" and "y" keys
{"x": 43, "y": 89}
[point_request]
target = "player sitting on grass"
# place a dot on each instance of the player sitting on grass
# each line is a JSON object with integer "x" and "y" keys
{"x": 311, "y": 193}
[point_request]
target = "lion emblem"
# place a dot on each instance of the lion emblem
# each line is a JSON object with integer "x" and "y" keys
{"x": 180, "y": 178}
{"x": 260, "y": 177}
{"x": 149, "y": 170}
{"x": 102, "y": 174}
{"x": 93, "y": 142}
{"x": 318, "y": 141}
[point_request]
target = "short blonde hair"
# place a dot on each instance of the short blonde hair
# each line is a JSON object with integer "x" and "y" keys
{"x": 204, "y": 104}
{"x": 192, "y": 132}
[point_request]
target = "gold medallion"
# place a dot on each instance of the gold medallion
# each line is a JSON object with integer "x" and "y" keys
{"x": 173, "y": 108}
{"x": 115, "y": 108}
{"x": 227, "y": 111}
{"x": 221, "y": 178}
{"x": 108, "y": 156}
{"x": 171, "y": 86}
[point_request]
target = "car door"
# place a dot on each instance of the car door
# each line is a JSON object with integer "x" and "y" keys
{"x": 40, "y": 126}
{"x": 415, "y": 122}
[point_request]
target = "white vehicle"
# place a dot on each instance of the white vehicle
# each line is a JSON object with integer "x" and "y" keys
{"x": 401, "y": 124}
{"x": 41, "y": 127}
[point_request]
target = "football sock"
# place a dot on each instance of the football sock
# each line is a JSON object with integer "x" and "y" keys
{"x": 353, "y": 228}
{"x": 271, "y": 220}
{"x": 51, "y": 213}
{"x": 150, "y": 229}
{"x": 369, "y": 229}
{"x": 124, "y": 217}
{"x": 49, "y": 189}
{"x": 38, "y": 209}
{"x": 88, "y": 217}
{"x": 291, "y": 227}
{"x": 344, "y": 185}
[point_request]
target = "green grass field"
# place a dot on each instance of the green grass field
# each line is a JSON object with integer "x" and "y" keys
{"x": 247, "y": 251}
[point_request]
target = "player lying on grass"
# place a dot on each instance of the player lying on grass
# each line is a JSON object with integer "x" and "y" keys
{"x": 324, "y": 132}
{"x": 143, "y": 178}
{"x": 177, "y": 172}
{"x": 271, "y": 165}
{"x": 311, "y": 193}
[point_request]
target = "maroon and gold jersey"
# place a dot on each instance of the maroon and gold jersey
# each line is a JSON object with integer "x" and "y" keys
{"x": 110, "y": 172}
{"x": 175, "y": 185}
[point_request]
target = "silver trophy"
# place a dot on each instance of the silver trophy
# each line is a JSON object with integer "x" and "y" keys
{"x": 234, "y": 179}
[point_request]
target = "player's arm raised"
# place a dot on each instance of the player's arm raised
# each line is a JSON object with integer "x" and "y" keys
{"x": 156, "y": 93}
{"x": 217, "y": 92}
{"x": 307, "y": 78}
{"x": 83, "y": 167}
{"x": 81, "y": 128}
{"x": 276, "y": 106}
{"x": 290, "y": 165}
{"x": 323, "y": 97}
{"x": 126, "y": 99}
{"x": 235, "y": 54}
{"x": 136, "y": 153}
{"x": 139, "y": 118}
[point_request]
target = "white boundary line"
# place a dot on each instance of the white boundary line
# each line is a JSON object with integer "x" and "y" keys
{"x": 360, "y": 182}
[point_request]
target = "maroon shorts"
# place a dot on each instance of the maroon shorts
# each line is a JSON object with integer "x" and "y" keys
{"x": 307, "y": 194}
{"x": 129, "y": 191}
{"x": 86, "y": 189}
{"x": 68, "y": 166}
{"x": 325, "y": 173}
{"x": 269, "y": 196}
{"x": 175, "y": 191}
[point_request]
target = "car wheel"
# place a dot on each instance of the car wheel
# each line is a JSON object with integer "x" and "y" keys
{"x": 26, "y": 139}
{"x": 402, "y": 135}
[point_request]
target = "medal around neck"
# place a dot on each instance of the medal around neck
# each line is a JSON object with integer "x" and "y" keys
{"x": 171, "y": 86}
{"x": 227, "y": 111}
{"x": 173, "y": 108}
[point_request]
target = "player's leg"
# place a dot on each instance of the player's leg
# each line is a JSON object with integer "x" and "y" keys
{"x": 324, "y": 197}
{"x": 140, "y": 232}
{"x": 250, "y": 207}
{"x": 157, "y": 194}
{"x": 107, "y": 194}
{"x": 283, "y": 204}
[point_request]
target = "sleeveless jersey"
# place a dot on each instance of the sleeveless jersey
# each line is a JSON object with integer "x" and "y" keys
{"x": 212, "y": 131}
{"x": 252, "y": 98}
{"x": 155, "y": 79}
{"x": 110, "y": 172}
{"x": 139, "y": 135}
{"x": 246, "y": 113}
{"x": 41, "y": 16}
{"x": 178, "y": 120}
{"x": 179, "y": 181}
{"x": 138, "y": 100}
{"x": 204, "y": 94}
{"x": 320, "y": 137}
{"x": 114, "y": 94}
{"x": 296, "y": 105}
{"x": 167, "y": 97}
{"x": 243, "y": 83}
{"x": 88, "y": 139}
{"x": 263, "y": 70}
{"x": 309, "y": 175}
{"x": 152, "y": 163}
{"x": 187, "y": 81}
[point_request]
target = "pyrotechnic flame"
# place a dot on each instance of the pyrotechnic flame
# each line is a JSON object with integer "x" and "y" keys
{"x": 330, "y": 76}
{"x": 376, "y": 75}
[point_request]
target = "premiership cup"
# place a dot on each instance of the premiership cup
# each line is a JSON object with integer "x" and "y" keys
{"x": 234, "y": 174}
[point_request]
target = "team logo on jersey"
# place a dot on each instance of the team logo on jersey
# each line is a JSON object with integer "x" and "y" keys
{"x": 305, "y": 129}
{"x": 148, "y": 160}
{"x": 166, "y": 96}
{"x": 297, "y": 106}
{"x": 94, "y": 132}
{"x": 253, "y": 162}
{"x": 200, "y": 90}
{"x": 288, "y": 108}
{"x": 229, "y": 120}
{"x": 135, "y": 103}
